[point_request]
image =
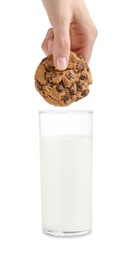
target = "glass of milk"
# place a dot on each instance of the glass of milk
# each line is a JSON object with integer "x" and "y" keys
{"x": 66, "y": 171}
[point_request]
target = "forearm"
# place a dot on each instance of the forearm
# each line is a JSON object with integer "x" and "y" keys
{"x": 58, "y": 10}
{"x": 65, "y": 11}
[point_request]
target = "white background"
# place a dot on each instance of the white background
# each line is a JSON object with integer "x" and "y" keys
{"x": 23, "y": 25}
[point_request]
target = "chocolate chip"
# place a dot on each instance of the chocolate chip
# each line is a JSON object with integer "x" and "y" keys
{"x": 59, "y": 88}
{"x": 80, "y": 66}
{"x": 84, "y": 77}
{"x": 85, "y": 93}
{"x": 50, "y": 68}
{"x": 79, "y": 85}
{"x": 70, "y": 75}
{"x": 72, "y": 90}
{"x": 40, "y": 87}
{"x": 52, "y": 84}
{"x": 62, "y": 83}
{"x": 66, "y": 98}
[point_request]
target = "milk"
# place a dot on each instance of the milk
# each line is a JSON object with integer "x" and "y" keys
{"x": 66, "y": 172}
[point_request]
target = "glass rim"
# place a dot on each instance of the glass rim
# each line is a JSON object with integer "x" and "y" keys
{"x": 65, "y": 111}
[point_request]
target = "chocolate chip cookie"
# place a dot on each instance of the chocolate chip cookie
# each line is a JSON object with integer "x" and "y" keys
{"x": 61, "y": 88}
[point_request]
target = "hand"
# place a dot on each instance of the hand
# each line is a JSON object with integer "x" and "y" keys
{"x": 72, "y": 29}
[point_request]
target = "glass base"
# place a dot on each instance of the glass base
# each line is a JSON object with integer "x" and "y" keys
{"x": 66, "y": 233}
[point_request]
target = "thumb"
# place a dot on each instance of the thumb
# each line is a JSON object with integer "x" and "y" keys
{"x": 61, "y": 46}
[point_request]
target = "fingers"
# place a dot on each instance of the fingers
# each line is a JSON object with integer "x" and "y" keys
{"x": 86, "y": 49}
{"x": 91, "y": 40}
{"x": 58, "y": 43}
{"x": 61, "y": 46}
{"x": 48, "y": 42}
{"x": 86, "y": 52}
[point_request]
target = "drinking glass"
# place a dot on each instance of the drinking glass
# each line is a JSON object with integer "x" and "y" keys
{"x": 66, "y": 171}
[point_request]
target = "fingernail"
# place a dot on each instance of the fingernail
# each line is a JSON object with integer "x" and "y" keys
{"x": 49, "y": 46}
{"x": 61, "y": 63}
